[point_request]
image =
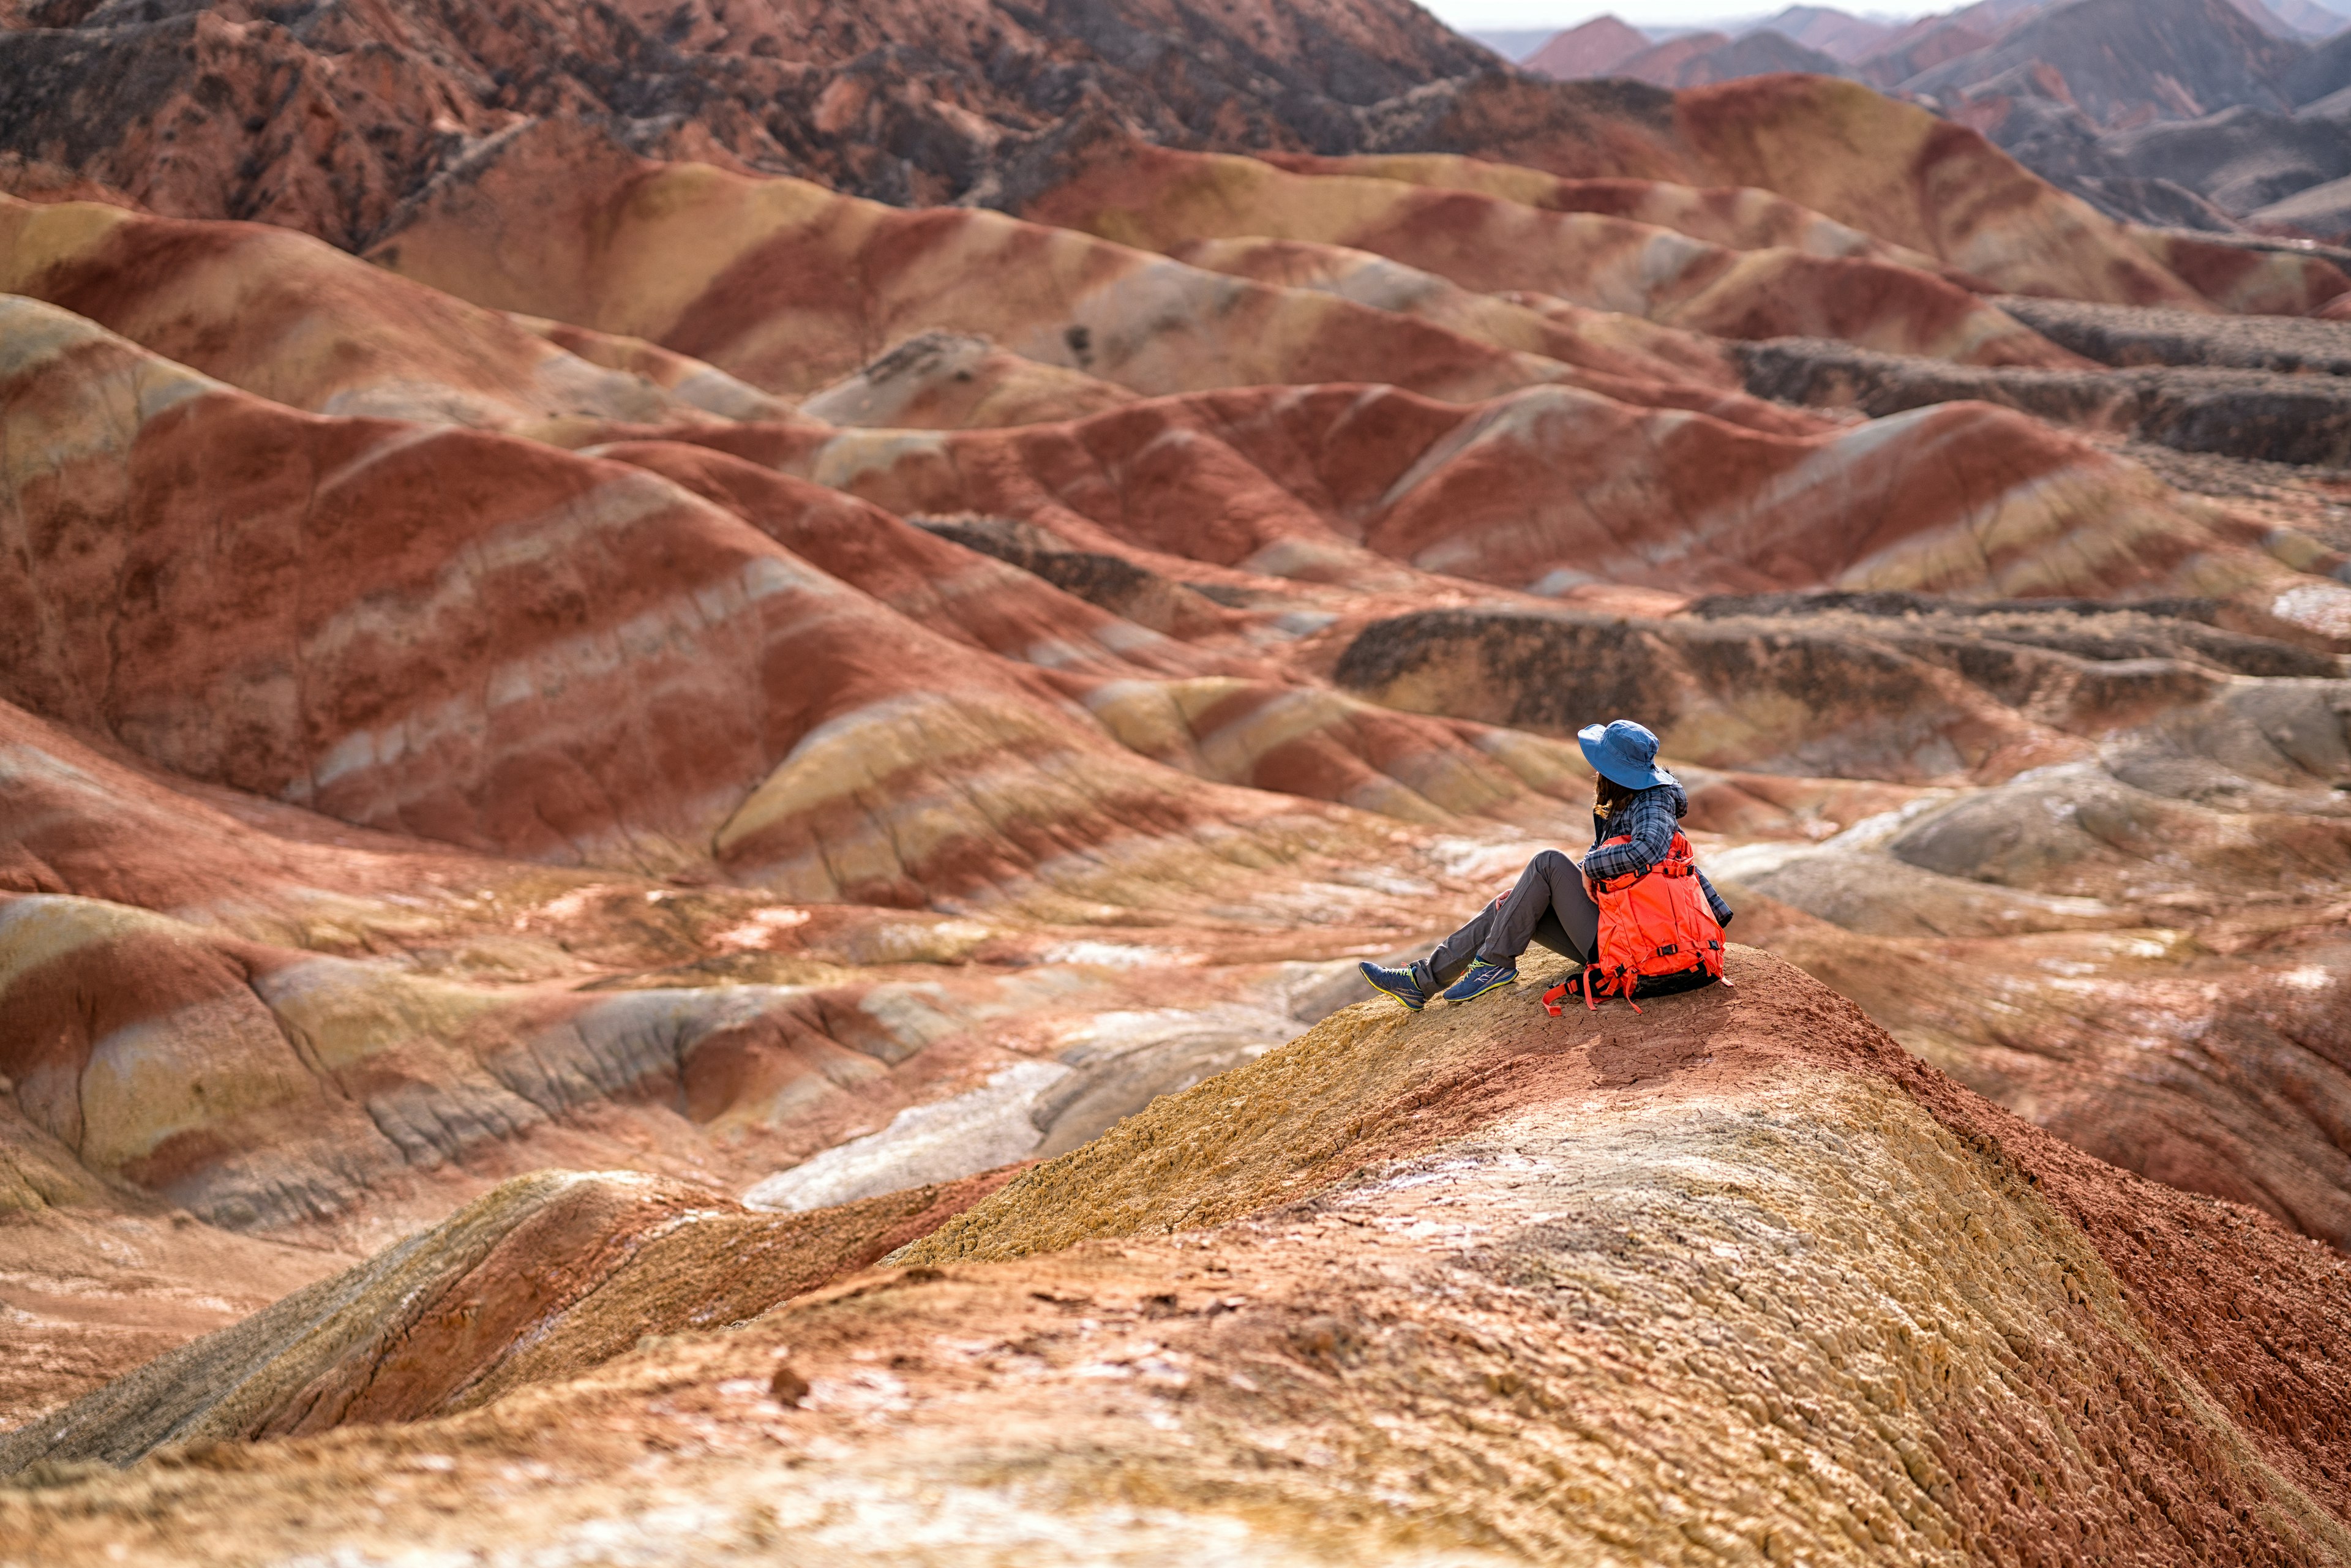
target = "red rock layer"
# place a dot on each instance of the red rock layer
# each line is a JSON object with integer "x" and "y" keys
{"x": 2255, "y": 282}
{"x": 297, "y": 321}
{"x": 1546, "y": 489}
{"x": 503, "y": 645}
{"x": 94, "y": 823}
{"x": 794, "y": 286}
{"x": 1158, "y": 198}
{"x": 273, "y": 1090}
{"x": 940, "y": 585}
{"x": 529, "y": 695}
{"x": 1885, "y": 168}
{"x": 1734, "y": 216}
{"x": 1201, "y": 703}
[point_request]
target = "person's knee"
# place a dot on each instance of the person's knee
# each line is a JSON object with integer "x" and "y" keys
{"x": 1550, "y": 862}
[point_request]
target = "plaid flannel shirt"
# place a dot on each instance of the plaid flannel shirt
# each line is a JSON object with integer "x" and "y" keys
{"x": 1648, "y": 819}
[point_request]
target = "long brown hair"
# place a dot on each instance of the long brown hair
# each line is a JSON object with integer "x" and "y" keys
{"x": 1608, "y": 795}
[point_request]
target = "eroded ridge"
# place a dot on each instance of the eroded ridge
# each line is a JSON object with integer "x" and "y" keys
{"x": 1733, "y": 1279}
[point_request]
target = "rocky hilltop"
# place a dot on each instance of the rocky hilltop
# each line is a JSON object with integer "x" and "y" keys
{"x": 701, "y": 714}
{"x": 1735, "y": 1280}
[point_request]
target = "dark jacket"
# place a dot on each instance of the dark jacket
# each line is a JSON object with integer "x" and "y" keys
{"x": 1649, "y": 819}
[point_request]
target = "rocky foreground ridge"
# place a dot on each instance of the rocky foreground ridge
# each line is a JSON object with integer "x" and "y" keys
{"x": 1734, "y": 1280}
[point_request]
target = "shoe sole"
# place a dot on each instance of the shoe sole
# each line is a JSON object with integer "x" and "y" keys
{"x": 1490, "y": 986}
{"x": 1409, "y": 1005}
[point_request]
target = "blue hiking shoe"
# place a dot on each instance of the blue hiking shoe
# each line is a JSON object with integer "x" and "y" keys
{"x": 1403, "y": 985}
{"x": 1482, "y": 977}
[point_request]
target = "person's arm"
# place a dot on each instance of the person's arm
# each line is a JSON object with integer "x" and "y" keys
{"x": 1649, "y": 825}
{"x": 1722, "y": 911}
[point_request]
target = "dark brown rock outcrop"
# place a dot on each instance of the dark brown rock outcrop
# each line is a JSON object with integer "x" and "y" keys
{"x": 327, "y": 118}
{"x": 2267, "y": 416}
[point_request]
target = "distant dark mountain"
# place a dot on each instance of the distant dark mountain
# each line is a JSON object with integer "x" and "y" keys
{"x": 2122, "y": 62}
{"x": 1755, "y": 55}
{"x": 1922, "y": 48}
{"x": 2321, "y": 212}
{"x": 2180, "y": 113}
{"x": 1663, "y": 63}
{"x": 1597, "y": 49}
{"x": 1838, "y": 34}
{"x": 1991, "y": 19}
{"x": 2324, "y": 70}
{"x": 2128, "y": 62}
{"x": 2241, "y": 159}
{"x": 2241, "y": 168}
{"x": 2299, "y": 18}
{"x": 2269, "y": 19}
{"x": 1511, "y": 43}
{"x": 1702, "y": 60}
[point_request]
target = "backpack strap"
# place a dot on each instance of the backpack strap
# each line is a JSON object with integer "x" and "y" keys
{"x": 1593, "y": 987}
{"x": 1555, "y": 1000}
{"x": 1597, "y": 983}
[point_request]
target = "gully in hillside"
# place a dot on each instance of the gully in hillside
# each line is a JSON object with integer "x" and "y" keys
{"x": 1638, "y": 915}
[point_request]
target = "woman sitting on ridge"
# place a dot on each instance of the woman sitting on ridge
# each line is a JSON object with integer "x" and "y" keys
{"x": 1636, "y": 806}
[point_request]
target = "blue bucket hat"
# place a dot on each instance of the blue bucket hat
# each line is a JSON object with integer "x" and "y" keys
{"x": 1625, "y": 752}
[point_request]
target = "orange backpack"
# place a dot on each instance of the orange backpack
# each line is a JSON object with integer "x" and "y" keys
{"x": 1657, "y": 934}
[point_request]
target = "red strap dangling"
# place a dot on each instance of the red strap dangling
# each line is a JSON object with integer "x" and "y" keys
{"x": 1623, "y": 988}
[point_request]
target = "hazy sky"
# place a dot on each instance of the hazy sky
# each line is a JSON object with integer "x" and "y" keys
{"x": 1642, "y": 13}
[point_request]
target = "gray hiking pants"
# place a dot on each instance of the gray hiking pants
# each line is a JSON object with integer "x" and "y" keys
{"x": 1549, "y": 906}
